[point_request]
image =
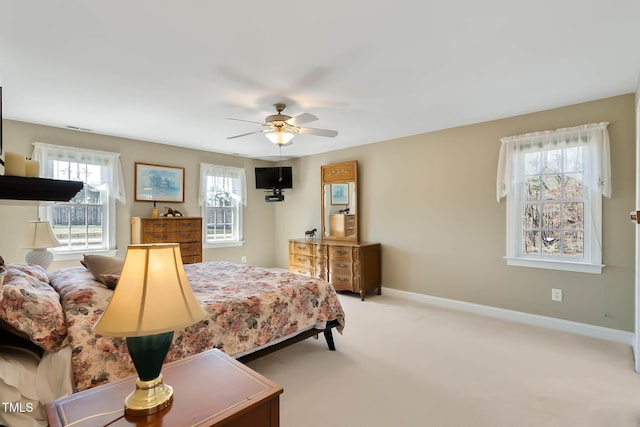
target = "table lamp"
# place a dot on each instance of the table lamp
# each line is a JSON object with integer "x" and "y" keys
{"x": 152, "y": 299}
{"x": 39, "y": 239}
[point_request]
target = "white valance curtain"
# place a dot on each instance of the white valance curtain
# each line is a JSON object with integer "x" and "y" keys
{"x": 593, "y": 137}
{"x": 111, "y": 177}
{"x": 237, "y": 176}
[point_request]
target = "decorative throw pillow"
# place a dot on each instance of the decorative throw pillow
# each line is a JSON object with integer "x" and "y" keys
{"x": 100, "y": 266}
{"x": 110, "y": 280}
{"x": 31, "y": 308}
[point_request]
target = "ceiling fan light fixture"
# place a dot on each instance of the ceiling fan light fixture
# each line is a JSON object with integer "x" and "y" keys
{"x": 280, "y": 137}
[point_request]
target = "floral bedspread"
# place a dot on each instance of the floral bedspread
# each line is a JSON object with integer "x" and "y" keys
{"x": 246, "y": 306}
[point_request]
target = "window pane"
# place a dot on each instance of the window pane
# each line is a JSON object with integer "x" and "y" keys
{"x": 532, "y": 188}
{"x": 551, "y": 215}
{"x": 573, "y": 186}
{"x": 551, "y": 243}
{"x": 573, "y": 243}
{"x": 531, "y": 242}
{"x": 573, "y": 215}
{"x": 531, "y": 215}
{"x": 551, "y": 187}
{"x": 532, "y": 163}
{"x": 552, "y": 161}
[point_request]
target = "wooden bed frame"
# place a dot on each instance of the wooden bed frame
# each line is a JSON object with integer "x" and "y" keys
{"x": 328, "y": 335}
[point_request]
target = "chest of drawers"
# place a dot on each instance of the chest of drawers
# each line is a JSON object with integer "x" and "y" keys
{"x": 308, "y": 258}
{"x": 349, "y": 266}
{"x": 184, "y": 230}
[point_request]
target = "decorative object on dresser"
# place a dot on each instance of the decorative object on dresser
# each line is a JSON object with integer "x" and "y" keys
{"x": 338, "y": 256}
{"x": 152, "y": 300}
{"x": 178, "y": 229}
{"x": 310, "y": 234}
{"x": 155, "y": 183}
{"x": 212, "y": 389}
{"x": 171, "y": 212}
{"x": 39, "y": 239}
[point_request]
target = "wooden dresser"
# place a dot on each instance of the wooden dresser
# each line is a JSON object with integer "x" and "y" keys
{"x": 349, "y": 266}
{"x": 181, "y": 229}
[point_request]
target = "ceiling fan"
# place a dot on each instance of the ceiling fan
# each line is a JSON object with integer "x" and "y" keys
{"x": 281, "y": 128}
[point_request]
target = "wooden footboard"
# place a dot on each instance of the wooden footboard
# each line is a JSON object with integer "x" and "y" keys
{"x": 328, "y": 335}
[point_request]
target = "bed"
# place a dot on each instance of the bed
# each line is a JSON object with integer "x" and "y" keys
{"x": 250, "y": 311}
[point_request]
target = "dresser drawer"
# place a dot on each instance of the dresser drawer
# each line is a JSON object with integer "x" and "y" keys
{"x": 191, "y": 259}
{"x": 187, "y": 225}
{"x": 186, "y": 236}
{"x": 191, "y": 248}
{"x": 343, "y": 252}
{"x": 302, "y": 248}
{"x": 341, "y": 282}
{"x": 341, "y": 267}
{"x": 301, "y": 260}
{"x": 157, "y": 226}
{"x": 159, "y": 237}
{"x": 321, "y": 251}
{"x": 301, "y": 270}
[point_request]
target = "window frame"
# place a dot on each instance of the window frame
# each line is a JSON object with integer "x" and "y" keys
{"x": 591, "y": 261}
{"x": 238, "y": 201}
{"x": 110, "y": 189}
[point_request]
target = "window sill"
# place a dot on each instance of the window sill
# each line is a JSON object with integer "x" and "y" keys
{"x": 578, "y": 267}
{"x": 78, "y": 255}
{"x": 222, "y": 245}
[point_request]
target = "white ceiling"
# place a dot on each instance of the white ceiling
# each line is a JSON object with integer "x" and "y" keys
{"x": 173, "y": 71}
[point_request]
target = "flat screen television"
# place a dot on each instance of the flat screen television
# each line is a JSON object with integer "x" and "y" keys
{"x": 278, "y": 177}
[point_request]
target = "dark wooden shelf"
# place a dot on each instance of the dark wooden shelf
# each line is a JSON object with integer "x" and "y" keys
{"x": 45, "y": 189}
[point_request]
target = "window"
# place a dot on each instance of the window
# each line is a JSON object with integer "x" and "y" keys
{"x": 86, "y": 223}
{"x": 554, "y": 182}
{"x": 222, "y": 196}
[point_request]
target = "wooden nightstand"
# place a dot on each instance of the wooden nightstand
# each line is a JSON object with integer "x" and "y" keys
{"x": 210, "y": 389}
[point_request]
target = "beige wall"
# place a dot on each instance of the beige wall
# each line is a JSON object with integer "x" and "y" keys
{"x": 19, "y": 136}
{"x": 430, "y": 200}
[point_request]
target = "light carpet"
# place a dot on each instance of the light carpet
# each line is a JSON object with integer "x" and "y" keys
{"x": 402, "y": 363}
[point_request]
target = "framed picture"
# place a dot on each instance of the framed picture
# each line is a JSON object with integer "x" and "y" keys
{"x": 339, "y": 194}
{"x": 155, "y": 183}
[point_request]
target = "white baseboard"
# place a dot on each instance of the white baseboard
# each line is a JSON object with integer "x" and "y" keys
{"x": 593, "y": 331}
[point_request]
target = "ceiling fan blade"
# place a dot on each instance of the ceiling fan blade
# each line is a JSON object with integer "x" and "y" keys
{"x": 319, "y": 132}
{"x": 244, "y": 134}
{"x": 248, "y": 121}
{"x": 301, "y": 119}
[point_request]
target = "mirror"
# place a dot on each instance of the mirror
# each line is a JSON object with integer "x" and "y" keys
{"x": 340, "y": 201}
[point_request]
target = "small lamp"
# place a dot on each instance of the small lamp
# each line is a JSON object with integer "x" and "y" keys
{"x": 153, "y": 298}
{"x": 39, "y": 239}
{"x": 280, "y": 136}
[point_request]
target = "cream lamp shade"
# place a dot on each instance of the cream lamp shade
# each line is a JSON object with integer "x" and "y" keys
{"x": 152, "y": 299}
{"x": 280, "y": 136}
{"x": 153, "y": 294}
{"x": 39, "y": 238}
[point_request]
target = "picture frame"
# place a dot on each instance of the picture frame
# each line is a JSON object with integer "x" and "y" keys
{"x": 157, "y": 183}
{"x": 340, "y": 194}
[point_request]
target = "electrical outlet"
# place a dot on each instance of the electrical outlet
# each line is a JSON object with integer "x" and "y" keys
{"x": 244, "y": 259}
{"x": 556, "y": 295}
